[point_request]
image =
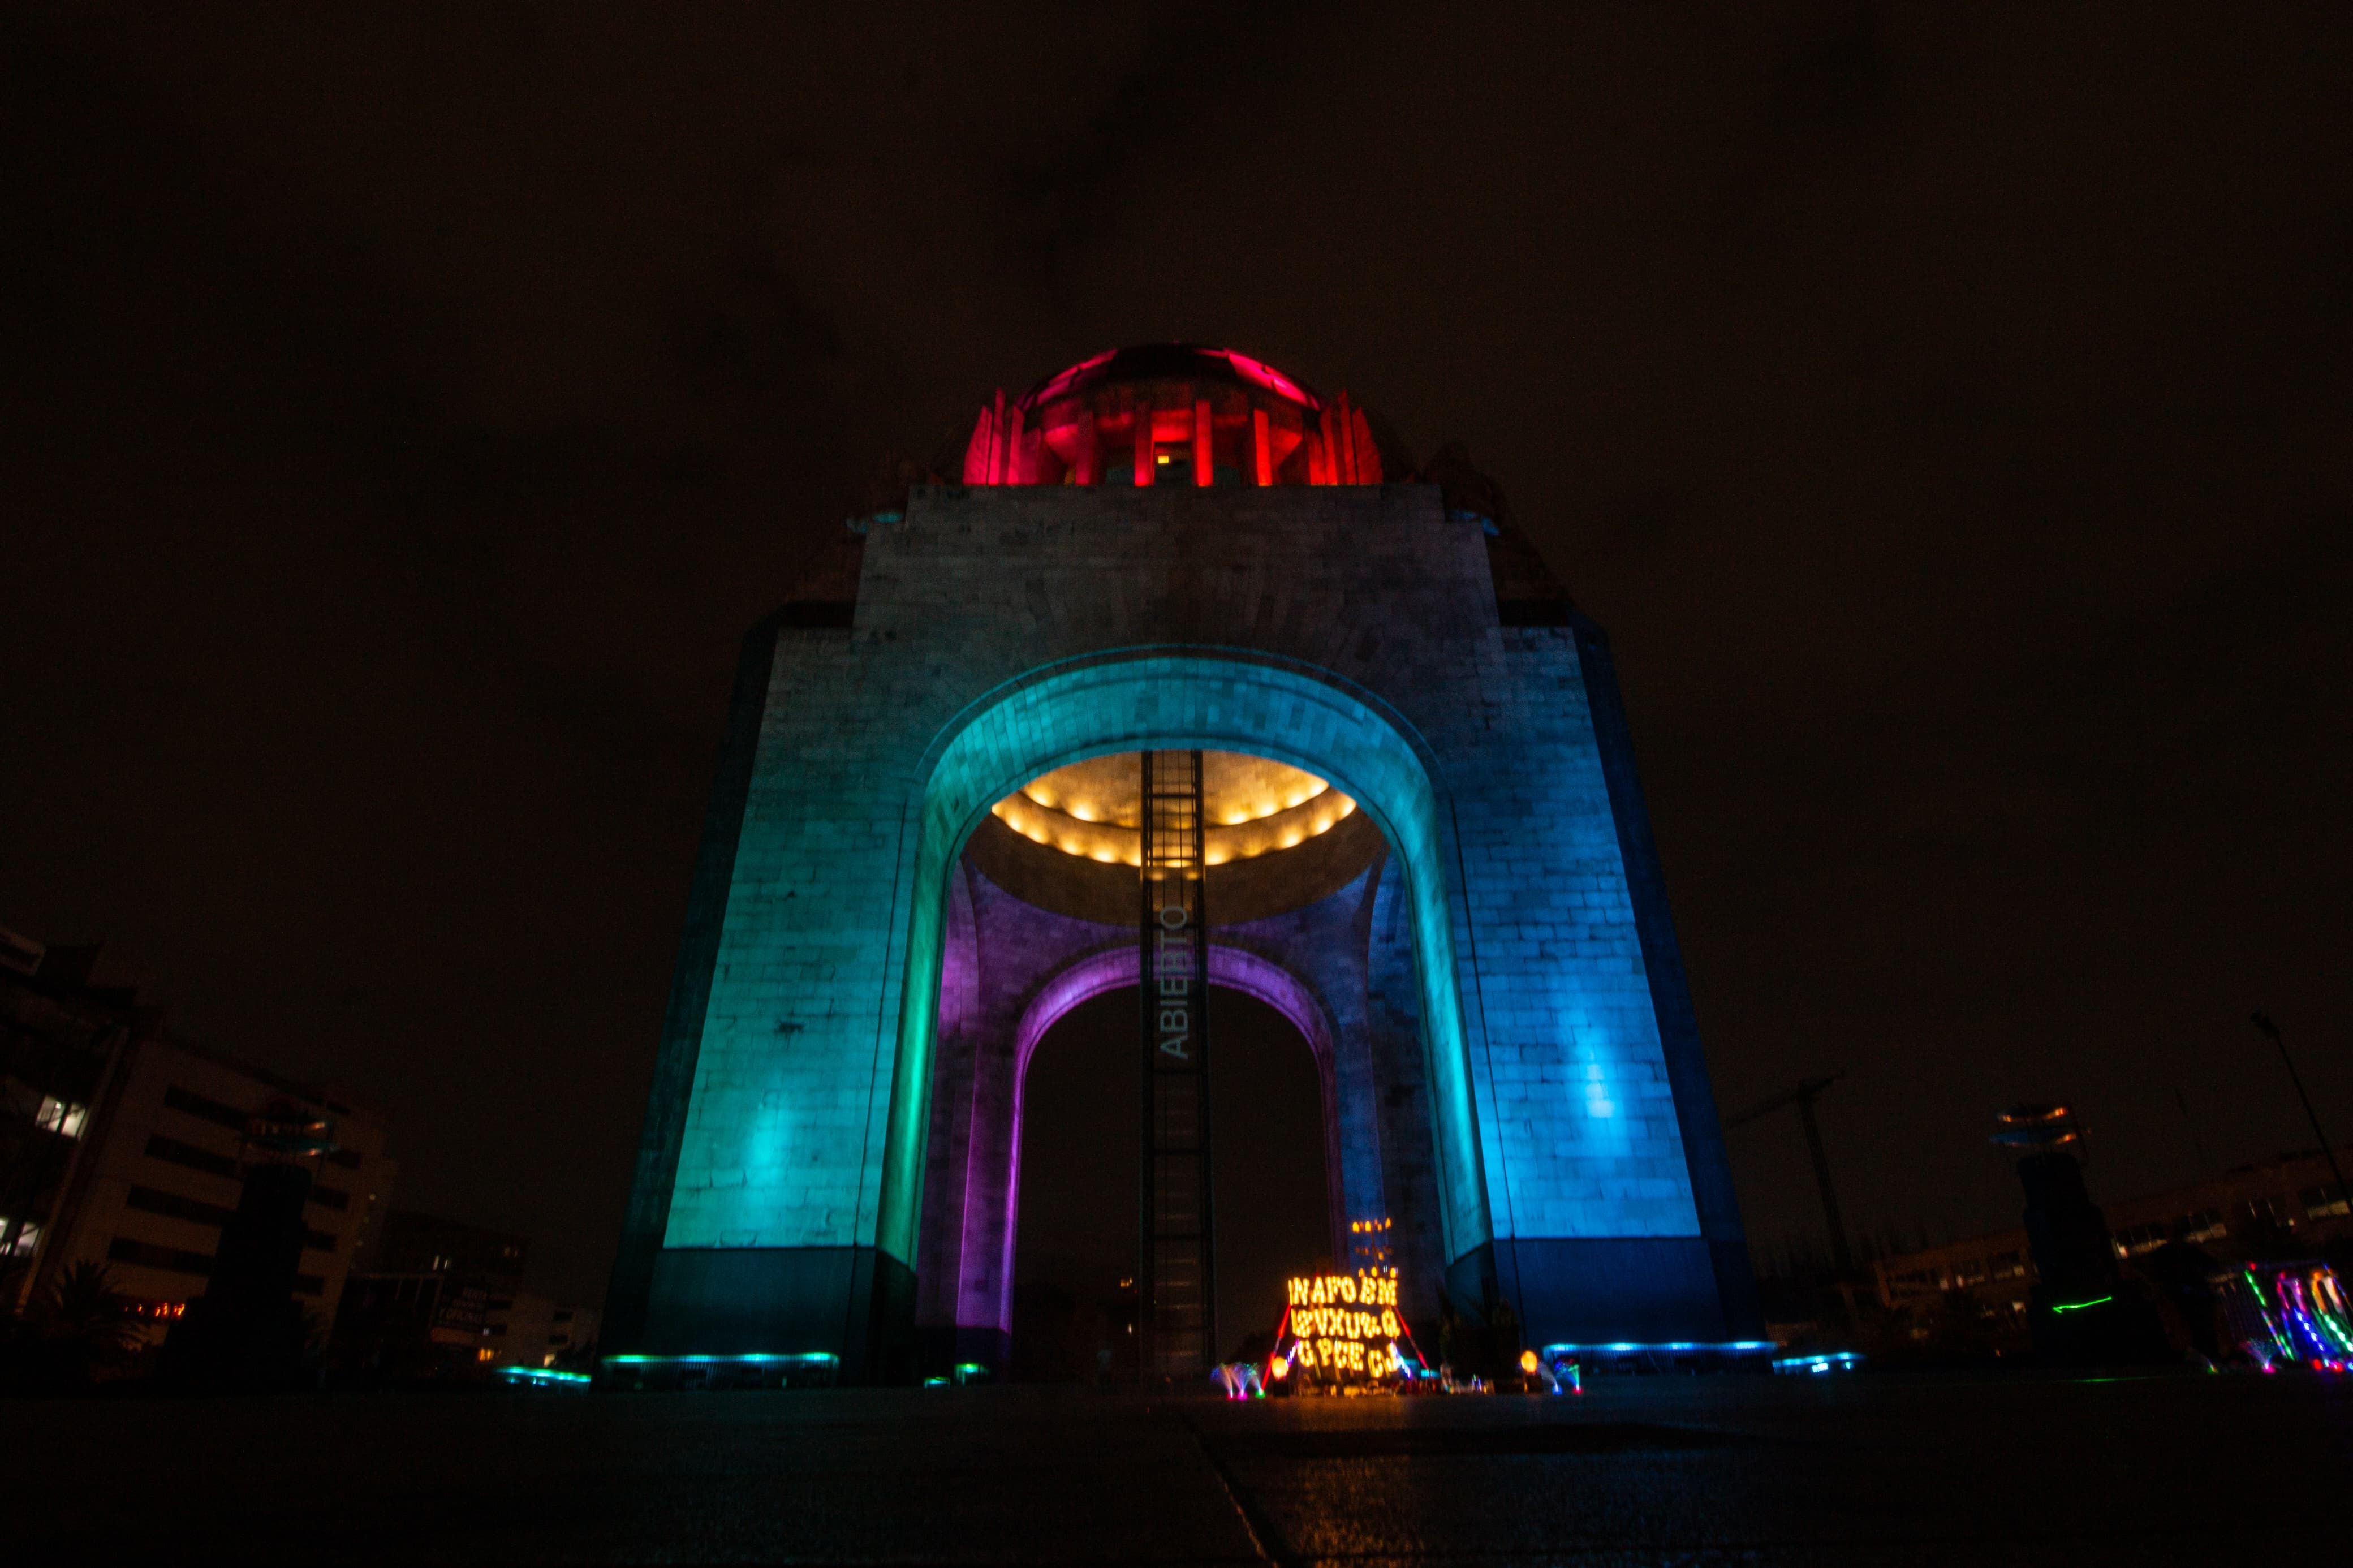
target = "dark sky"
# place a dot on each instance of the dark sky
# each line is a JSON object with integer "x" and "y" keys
{"x": 1945, "y": 407}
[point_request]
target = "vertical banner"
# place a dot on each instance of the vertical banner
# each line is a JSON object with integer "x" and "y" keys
{"x": 1176, "y": 1288}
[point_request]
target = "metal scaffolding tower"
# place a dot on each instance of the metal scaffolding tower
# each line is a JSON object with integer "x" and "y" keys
{"x": 1177, "y": 1282}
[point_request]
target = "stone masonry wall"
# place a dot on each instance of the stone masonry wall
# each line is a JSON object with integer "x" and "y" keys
{"x": 783, "y": 1145}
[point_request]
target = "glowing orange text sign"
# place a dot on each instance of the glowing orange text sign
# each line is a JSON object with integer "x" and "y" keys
{"x": 1347, "y": 1324}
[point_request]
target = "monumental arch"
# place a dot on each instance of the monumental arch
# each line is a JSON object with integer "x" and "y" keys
{"x": 1418, "y": 836}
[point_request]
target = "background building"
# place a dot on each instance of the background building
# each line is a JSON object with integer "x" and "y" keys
{"x": 122, "y": 1144}
{"x": 571, "y": 1334}
{"x": 2284, "y": 1207}
{"x": 441, "y": 1298}
{"x": 415, "y": 1243}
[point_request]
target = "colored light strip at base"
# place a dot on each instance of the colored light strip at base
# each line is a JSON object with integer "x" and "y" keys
{"x": 545, "y": 1375}
{"x": 1833, "y": 1361}
{"x": 804, "y": 1358}
{"x": 1679, "y": 1347}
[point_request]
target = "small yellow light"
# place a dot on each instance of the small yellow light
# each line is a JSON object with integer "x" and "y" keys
{"x": 1528, "y": 1363}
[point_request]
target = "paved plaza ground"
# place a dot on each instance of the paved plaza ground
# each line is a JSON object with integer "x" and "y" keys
{"x": 2213, "y": 1470}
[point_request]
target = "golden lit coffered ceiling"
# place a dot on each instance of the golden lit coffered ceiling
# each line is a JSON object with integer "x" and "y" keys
{"x": 1255, "y": 805}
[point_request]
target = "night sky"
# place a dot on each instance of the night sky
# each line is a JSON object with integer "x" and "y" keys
{"x": 1943, "y": 408}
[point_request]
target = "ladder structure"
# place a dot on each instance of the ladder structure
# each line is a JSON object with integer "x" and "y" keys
{"x": 1177, "y": 1281}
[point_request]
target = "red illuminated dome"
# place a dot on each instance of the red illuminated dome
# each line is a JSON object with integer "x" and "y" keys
{"x": 1171, "y": 414}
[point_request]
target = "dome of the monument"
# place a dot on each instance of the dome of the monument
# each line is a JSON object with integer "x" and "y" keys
{"x": 1169, "y": 362}
{"x": 1171, "y": 414}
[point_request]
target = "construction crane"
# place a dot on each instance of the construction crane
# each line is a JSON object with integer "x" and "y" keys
{"x": 1803, "y": 1098}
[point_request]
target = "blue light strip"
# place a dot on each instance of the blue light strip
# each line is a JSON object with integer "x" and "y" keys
{"x": 1726, "y": 1347}
{"x": 1830, "y": 1360}
{"x": 804, "y": 1358}
{"x": 544, "y": 1375}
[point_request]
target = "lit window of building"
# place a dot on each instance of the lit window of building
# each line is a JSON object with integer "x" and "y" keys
{"x": 2321, "y": 1203}
{"x": 59, "y": 1117}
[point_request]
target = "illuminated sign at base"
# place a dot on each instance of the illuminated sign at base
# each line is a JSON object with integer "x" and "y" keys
{"x": 1344, "y": 1328}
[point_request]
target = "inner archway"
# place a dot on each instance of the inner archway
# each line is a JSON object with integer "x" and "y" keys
{"x": 1073, "y": 1305}
{"x": 1329, "y": 898}
{"x": 945, "y": 1131}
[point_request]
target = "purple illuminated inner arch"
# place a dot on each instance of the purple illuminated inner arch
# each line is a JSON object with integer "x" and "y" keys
{"x": 1230, "y": 969}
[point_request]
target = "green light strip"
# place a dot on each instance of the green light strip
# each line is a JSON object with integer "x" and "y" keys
{"x": 2079, "y": 1305}
{"x": 541, "y": 1374}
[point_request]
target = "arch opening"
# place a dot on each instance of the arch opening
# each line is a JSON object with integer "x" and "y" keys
{"x": 1072, "y": 1251}
{"x": 1303, "y": 719}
